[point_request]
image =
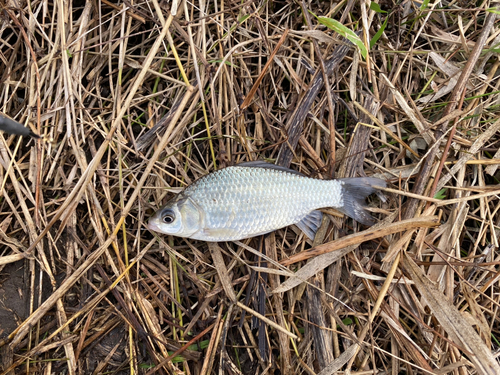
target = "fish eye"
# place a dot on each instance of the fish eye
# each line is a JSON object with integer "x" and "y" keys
{"x": 169, "y": 218}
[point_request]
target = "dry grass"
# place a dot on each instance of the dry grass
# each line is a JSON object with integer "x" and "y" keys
{"x": 135, "y": 103}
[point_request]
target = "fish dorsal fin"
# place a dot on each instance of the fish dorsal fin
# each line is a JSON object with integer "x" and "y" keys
{"x": 311, "y": 223}
{"x": 263, "y": 164}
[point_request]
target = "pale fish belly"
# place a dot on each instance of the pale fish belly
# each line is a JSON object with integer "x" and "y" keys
{"x": 241, "y": 202}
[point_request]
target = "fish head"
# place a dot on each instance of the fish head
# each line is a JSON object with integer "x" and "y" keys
{"x": 180, "y": 217}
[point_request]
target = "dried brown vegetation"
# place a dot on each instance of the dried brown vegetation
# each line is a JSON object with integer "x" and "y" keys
{"x": 135, "y": 100}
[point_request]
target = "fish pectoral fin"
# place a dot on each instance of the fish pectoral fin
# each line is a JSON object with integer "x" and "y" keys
{"x": 311, "y": 223}
{"x": 222, "y": 234}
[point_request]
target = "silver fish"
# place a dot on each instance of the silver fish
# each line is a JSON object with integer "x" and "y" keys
{"x": 255, "y": 198}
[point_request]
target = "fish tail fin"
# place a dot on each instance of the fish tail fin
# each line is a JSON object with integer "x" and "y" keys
{"x": 354, "y": 192}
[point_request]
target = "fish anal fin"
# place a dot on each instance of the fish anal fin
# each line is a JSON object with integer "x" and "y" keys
{"x": 311, "y": 223}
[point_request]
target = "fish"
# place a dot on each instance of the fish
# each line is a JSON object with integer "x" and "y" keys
{"x": 255, "y": 198}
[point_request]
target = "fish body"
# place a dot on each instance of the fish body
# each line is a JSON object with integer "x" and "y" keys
{"x": 255, "y": 198}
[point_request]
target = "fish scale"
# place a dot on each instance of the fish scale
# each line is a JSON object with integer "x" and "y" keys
{"x": 249, "y": 207}
{"x": 256, "y": 198}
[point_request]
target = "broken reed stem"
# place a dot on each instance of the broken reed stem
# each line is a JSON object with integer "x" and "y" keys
{"x": 366, "y": 235}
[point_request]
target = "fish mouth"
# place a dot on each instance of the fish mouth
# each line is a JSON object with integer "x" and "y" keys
{"x": 152, "y": 225}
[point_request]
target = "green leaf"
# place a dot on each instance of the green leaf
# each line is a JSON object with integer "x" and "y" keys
{"x": 493, "y": 50}
{"x": 347, "y": 321}
{"x": 440, "y": 194}
{"x": 377, "y": 36}
{"x": 375, "y": 7}
{"x": 201, "y": 345}
{"x": 243, "y": 18}
{"x": 345, "y": 32}
{"x": 425, "y": 4}
{"x": 493, "y": 10}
